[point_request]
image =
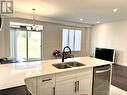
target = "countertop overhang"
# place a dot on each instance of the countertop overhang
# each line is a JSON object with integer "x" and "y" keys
{"x": 13, "y": 75}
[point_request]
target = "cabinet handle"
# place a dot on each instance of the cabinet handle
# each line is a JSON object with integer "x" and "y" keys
{"x": 75, "y": 86}
{"x": 46, "y": 80}
{"x": 53, "y": 90}
{"x": 78, "y": 86}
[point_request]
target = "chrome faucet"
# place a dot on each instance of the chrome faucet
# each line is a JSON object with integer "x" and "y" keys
{"x": 63, "y": 57}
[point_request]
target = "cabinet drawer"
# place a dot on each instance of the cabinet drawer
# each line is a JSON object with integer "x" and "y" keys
{"x": 43, "y": 80}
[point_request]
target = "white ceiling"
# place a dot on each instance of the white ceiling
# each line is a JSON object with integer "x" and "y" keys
{"x": 72, "y": 10}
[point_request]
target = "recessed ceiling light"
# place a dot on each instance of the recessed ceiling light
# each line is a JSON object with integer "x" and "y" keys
{"x": 81, "y": 19}
{"x": 115, "y": 10}
{"x": 98, "y": 22}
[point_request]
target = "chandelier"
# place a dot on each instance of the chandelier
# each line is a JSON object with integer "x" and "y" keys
{"x": 34, "y": 27}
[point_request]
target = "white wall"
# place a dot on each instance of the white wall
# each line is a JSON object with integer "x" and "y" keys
{"x": 112, "y": 35}
{"x": 52, "y": 35}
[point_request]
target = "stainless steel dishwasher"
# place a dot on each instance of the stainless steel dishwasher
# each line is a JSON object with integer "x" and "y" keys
{"x": 101, "y": 80}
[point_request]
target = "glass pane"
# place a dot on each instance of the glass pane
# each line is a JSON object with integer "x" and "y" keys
{"x": 34, "y": 46}
{"x": 77, "y": 40}
{"x": 71, "y": 39}
{"x": 21, "y": 45}
{"x": 65, "y": 38}
{"x": 13, "y": 43}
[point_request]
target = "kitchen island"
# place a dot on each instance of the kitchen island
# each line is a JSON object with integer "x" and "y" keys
{"x": 13, "y": 75}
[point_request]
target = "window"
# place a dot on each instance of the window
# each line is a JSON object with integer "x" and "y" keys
{"x": 71, "y": 38}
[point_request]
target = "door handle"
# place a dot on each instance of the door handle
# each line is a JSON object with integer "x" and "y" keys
{"x": 102, "y": 71}
{"x": 77, "y": 86}
{"x": 53, "y": 90}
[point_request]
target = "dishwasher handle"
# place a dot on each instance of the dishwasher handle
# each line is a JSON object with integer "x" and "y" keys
{"x": 103, "y": 71}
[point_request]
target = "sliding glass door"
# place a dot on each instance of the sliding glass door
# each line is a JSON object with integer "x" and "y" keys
{"x": 21, "y": 45}
{"x": 34, "y": 46}
{"x": 25, "y": 45}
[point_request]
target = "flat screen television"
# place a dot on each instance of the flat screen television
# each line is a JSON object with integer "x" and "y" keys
{"x": 105, "y": 54}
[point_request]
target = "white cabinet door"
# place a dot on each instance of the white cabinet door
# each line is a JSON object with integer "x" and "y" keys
{"x": 46, "y": 85}
{"x": 65, "y": 87}
{"x": 46, "y": 90}
{"x": 84, "y": 85}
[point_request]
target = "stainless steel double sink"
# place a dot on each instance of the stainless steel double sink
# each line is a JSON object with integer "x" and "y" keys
{"x": 66, "y": 65}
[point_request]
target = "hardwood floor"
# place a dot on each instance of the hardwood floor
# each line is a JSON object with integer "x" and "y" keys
{"x": 119, "y": 76}
{"x": 21, "y": 90}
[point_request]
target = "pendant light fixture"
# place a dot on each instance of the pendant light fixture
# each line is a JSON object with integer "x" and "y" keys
{"x": 34, "y": 27}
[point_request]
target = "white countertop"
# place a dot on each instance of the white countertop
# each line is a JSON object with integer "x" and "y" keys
{"x": 12, "y": 75}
